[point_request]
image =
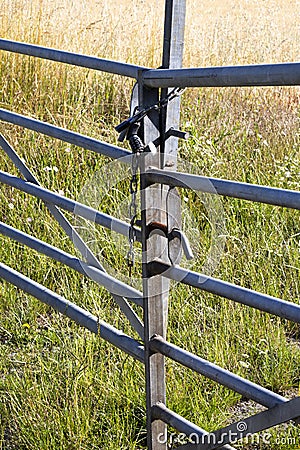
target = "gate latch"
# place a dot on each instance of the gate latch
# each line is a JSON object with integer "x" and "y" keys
{"x": 174, "y": 251}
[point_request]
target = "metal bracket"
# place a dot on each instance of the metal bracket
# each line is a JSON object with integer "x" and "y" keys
{"x": 171, "y": 132}
{"x": 179, "y": 234}
{"x": 173, "y": 235}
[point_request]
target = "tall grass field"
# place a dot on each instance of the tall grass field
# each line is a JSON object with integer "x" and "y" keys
{"x": 62, "y": 388}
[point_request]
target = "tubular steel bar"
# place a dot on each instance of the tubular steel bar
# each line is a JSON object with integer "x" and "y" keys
{"x": 263, "y": 302}
{"x": 234, "y": 382}
{"x": 253, "y": 424}
{"x": 113, "y": 285}
{"x": 74, "y": 312}
{"x": 62, "y": 134}
{"x": 245, "y": 191}
{"x": 285, "y": 74}
{"x": 189, "y": 429}
{"x": 90, "y": 62}
{"x": 69, "y": 205}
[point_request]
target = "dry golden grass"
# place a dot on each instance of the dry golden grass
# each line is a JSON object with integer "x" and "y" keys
{"x": 218, "y": 32}
{"x": 242, "y": 32}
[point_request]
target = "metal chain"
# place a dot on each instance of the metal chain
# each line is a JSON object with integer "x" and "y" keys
{"x": 139, "y": 115}
{"x": 132, "y": 210}
{"x": 175, "y": 92}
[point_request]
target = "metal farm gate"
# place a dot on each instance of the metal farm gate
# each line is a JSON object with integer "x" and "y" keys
{"x": 152, "y": 131}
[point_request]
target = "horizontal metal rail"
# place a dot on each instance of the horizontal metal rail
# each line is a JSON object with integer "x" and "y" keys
{"x": 189, "y": 429}
{"x": 245, "y": 191}
{"x": 74, "y": 312}
{"x": 75, "y": 59}
{"x": 284, "y": 74}
{"x": 263, "y": 302}
{"x": 80, "y": 140}
{"x": 253, "y": 424}
{"x": 234, "y": 382}
{"x": 248, "y": 75}
{"x": 69, "y": 205}
{"x": 113, "y": 285}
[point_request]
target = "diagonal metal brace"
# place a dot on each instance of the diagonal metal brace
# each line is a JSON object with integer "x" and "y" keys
{"x": 184, "y": 426}
{"x": 253, "y": 424}
{"x": 78, "y": 242}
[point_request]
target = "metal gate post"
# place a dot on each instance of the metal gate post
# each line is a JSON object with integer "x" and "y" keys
{"x": 155, "y": 211}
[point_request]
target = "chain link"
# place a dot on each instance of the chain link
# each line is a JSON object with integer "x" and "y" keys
{"x": 132, "y": 210}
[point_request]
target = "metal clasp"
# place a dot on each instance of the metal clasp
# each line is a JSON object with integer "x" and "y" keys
{"x": 174, "y": 251}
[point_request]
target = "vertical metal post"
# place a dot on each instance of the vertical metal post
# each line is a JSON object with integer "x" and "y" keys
{"x": 172, "y": 59}
{"x": 154, "y": 201}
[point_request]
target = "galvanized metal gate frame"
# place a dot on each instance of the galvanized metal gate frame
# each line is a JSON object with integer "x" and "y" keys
{"x": 160, "y": 217}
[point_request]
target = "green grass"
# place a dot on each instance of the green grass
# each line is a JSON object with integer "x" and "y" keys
{"x": 63, "y": 388}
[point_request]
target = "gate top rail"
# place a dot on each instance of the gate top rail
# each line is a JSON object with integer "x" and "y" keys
{"x": 283, "y": 74}
{"x": 75, "y": 59}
